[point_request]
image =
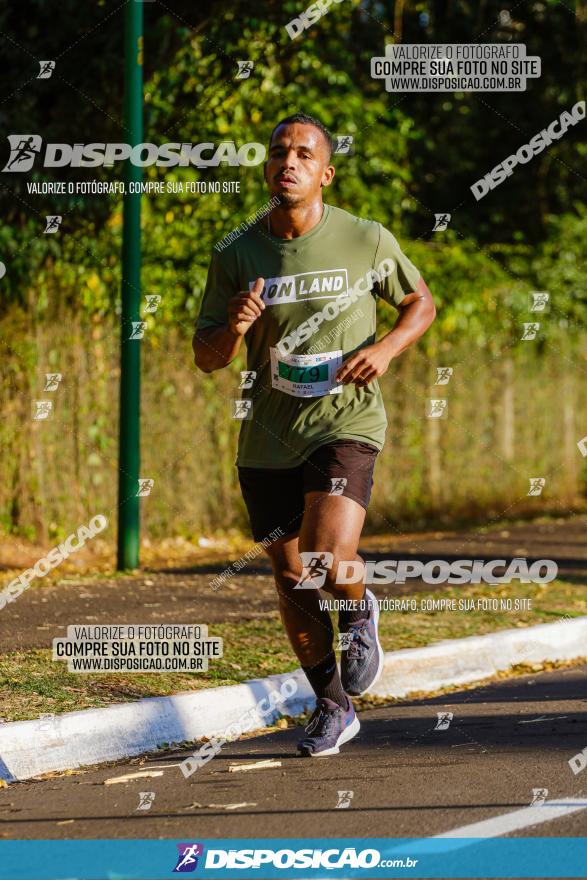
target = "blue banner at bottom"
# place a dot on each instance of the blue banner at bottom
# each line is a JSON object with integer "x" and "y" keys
{"x": 305, "y": 858}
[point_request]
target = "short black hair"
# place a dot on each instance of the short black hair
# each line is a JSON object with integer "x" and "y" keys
{"x": 305, "y": 119}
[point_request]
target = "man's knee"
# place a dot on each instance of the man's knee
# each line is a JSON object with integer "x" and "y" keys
{"x": 286, "y": 577}
{"x": 285, "y": 563}
{"x": 331, "y": 581}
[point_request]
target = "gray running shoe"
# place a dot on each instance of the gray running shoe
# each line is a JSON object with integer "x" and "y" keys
{"x": 329, "y": 727}
{"x": 361, "y": 663}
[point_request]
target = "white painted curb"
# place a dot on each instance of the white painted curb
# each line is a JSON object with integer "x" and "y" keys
{"x": 461, "y": 661}
{"x": 94, "y": 736}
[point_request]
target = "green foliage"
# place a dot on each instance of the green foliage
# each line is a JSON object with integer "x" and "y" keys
{"x": 415, "y": 154}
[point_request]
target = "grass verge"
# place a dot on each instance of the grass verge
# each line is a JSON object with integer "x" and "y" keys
{"x": 31, "y": 683}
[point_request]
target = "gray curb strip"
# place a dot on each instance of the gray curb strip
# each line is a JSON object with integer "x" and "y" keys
{"x": 93, "y": 736}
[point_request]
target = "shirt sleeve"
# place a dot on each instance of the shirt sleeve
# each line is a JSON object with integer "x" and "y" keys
{"x": 221, "y": 285}
{"x": 404, "y": 277}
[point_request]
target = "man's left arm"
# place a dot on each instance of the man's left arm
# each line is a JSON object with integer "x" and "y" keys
{"x": 416, "y": 314}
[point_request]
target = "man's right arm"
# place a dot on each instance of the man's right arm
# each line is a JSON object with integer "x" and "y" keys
{"x": 215, "y": 347}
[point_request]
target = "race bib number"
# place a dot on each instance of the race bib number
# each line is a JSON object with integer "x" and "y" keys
{"x": 306, "y": 375}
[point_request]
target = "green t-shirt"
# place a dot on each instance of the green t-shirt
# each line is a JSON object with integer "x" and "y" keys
{"x": 303, "y": 276}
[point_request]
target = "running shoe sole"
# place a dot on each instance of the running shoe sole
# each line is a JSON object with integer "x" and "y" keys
{"x": 347, "y": 734}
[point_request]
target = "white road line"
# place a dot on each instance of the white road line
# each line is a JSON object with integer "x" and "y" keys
{"x": 518, "y": 819}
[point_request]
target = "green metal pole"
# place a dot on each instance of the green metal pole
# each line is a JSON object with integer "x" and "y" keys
{"x": 130, "y": 349}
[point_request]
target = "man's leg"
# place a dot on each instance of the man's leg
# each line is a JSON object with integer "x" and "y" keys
{"x": 328, "y": 523}
{"x": 308, "y": 626}
{"x": 310, "y": 632}
{"x": 333, "y": 523}
{"x": 275, "y": 498}
{"x": 338, "y": 478}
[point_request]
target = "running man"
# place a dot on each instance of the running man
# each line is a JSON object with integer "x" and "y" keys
{"x": 300, "y": 287}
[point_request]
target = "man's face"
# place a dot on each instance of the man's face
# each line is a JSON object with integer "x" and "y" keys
{"x": 297, "y": 165}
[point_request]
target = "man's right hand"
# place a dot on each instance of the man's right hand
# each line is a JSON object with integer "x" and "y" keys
{"x": 245, "y": 308}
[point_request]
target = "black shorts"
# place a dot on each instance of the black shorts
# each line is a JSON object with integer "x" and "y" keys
{"x": 275, "y": 496}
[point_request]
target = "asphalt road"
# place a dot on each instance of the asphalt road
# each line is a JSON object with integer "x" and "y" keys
{"x": 407, "y": 779}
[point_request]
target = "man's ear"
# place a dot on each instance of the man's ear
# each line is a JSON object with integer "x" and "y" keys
{"x": 328, "y": 176}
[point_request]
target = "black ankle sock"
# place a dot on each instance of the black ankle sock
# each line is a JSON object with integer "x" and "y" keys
{"x": 360, "y": 612}
{"x": 325, "y": 680}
